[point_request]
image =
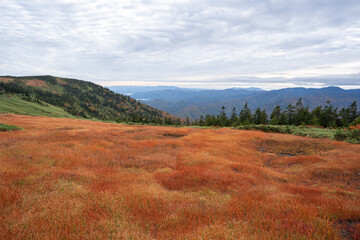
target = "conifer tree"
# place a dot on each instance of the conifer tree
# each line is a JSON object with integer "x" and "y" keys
{"x": 302, "y": 114}
{"x": 353, "y": 113}
{"x": 233, "y": 118}
{"x": 260, "y": 117}
{"x": 264, "y": 118}
{"x": 290, "y": 113}
{"x": 187, "y": 121}
{"x": 201, "y": 121}
{"x": 245, "y": 117}
{"x": 223, "y": 118}
{"x": 275, "y": 116}
{"x": 328, "y": 116}
{"x": 315, "y": 116}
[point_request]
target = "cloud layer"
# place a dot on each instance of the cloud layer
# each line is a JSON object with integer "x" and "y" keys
{"x": 203, "y": 43}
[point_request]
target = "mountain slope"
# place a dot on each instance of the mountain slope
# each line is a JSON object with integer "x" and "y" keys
{"x": 199, "y": 97}
{"x": 129, "y": 90}
{"x": 193, "y": 104}
{"x": 269, "y": 100}
{"x": 80, "y": 98}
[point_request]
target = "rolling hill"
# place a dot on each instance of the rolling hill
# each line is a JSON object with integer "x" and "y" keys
{"x": 64, "y": 97}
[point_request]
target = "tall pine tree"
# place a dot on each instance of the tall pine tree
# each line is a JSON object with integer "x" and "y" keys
{"x": 245, "y": 117}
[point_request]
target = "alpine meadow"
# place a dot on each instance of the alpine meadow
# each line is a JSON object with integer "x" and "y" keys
{"x": 79, "y": 179}
{"x": 180, "y": 120}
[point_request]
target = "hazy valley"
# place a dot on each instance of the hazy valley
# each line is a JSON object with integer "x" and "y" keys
{"x": 192, "y": 103}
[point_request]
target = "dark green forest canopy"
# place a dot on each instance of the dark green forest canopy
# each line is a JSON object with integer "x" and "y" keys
{"x": 298, "y": 114}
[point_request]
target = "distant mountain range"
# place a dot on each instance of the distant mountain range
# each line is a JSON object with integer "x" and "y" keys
{"x": 193, "y": 103}
{"x": 130, "y": 90}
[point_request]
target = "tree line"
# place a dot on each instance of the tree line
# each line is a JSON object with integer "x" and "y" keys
{"x": 298, "y": 114}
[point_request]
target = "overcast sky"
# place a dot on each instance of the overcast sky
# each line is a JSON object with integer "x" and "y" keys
{"x": 196, "y": 43}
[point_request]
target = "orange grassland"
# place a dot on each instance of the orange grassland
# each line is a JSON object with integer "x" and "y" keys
{"x": 77, "y": 179}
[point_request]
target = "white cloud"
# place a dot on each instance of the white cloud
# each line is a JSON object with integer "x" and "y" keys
{"x": 182, "y": 41}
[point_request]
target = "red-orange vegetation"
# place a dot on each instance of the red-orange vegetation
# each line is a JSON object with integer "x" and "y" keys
{"x": 60, "y": 81}
{"x": 76, "y": 179}
{"x": 2, "y": 79}
{"x": 355, "y": 127}
{"x": 36, "y": 83}
{"x": 196, "y": 178}
{"x": 295, "y": 161}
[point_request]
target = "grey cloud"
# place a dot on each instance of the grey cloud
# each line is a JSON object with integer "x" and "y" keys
{"x": 334, "y": 80}
{"x": 182, "y": 39}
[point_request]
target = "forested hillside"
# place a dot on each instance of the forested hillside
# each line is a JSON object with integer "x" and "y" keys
{"x": 81, "y": 98}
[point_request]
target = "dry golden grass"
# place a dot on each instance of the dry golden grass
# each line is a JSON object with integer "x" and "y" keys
{"x": 75, "y": 179}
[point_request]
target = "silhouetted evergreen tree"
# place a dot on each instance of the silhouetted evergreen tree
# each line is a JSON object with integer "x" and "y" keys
{"x": 275, "y": 116}
{"x": 245, "y": 116}
{"x": 223, "y": 120}
{"x": 210, "y": 120}
{"x": 265, "y": 118}
{"x": 260, "y": 117}
{"x": 315, "y": 116}
{"x": 290, "y": 114}
{"x": 328, "y": 116}
{"x": 201, "y": 121}
{"x": 233, "y": 118}
{"x": 283, "y": 119}
{"x": 187, "y": 121}
{"x": 302, "y": 114}
{"x": 344, "y": 115}
{"x": 353, "y": 113}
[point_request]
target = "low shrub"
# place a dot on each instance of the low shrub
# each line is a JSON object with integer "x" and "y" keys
{"x": 340, "y": 135}
{"x": 352, "y": 136}
{"x": 8, "y": 128}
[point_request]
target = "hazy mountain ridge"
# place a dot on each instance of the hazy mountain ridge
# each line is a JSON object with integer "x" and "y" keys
{"x": 193, "y": 104}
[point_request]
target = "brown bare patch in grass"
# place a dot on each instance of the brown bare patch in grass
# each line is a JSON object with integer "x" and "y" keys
{"x": 349, "y": 229}
{"x": 174, "y": 135}
{"x": 67, "y": 128}
{"x": 295, "y": 147}
{"x": 334, "y": 174}
{"x": 296, "y": 160}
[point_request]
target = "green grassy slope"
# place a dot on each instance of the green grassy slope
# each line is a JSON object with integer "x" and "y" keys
{"x": 12, "y": 103}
